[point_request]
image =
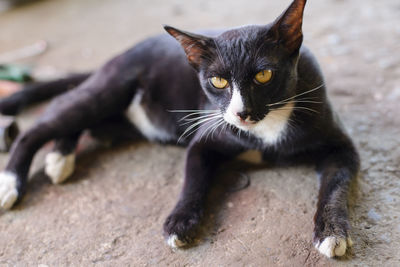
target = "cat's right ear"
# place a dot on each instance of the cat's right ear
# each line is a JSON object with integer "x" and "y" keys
{"x": 286, "y": 29}
{"x": 197, "y": 47}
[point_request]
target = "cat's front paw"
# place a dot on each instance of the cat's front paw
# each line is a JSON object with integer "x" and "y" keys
{"x": 180, "y": 227}
{"x": 174, "y": 242}
{"x": 334, "y": 246}
{"x": 8, "y": 190}
{"x": 331, "y": 236}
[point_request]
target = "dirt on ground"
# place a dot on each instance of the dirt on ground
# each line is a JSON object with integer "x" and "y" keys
{"x": 110, "y": 213}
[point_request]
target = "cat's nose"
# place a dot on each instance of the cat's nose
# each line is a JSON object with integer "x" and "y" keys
{"x": 243, "y": 115}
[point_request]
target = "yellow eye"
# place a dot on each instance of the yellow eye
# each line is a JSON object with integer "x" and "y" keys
{"x": 219, "y": 82}
{"x": 263, "y": 76}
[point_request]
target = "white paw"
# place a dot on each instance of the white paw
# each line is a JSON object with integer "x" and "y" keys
{"x": 174, "y": 242}
{"x": 8, "y": 189}
{"x": 333, "y": 246}
{"x": 59, "y": 167}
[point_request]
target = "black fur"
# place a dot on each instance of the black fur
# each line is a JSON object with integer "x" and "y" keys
{"x": 39, "y": 91}
{"x": 160, "y": 69}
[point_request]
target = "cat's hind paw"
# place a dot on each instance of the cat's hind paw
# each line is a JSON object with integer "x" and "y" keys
{"x": 59, "y": 167}
{"x": 333, "y": 246}
{"x": 8, "y": 190}
{"x": 174, "y": 242}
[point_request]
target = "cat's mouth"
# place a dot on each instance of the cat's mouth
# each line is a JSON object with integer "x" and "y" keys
{"x": 274, "y": 119}
{"x": 237, "y": 121}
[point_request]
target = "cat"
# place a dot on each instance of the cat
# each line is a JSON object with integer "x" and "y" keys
{"x": 219, "y": 93}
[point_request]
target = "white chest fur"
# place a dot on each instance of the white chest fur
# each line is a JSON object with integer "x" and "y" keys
{"x": 138, "y": 117}
{"x": 272, "y": 128}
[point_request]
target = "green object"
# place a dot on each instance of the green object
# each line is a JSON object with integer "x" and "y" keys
{"x": 15, "y": 73}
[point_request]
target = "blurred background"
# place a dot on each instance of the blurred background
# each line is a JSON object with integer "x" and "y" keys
{"x": 112, "y": 210}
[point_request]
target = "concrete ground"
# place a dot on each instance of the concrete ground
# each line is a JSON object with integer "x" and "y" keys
{"x": 110, "y": 213}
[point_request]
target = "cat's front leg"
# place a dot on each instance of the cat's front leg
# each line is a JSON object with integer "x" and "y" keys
{"x": 201, "y": 163}
{"x": 337, "y": 169}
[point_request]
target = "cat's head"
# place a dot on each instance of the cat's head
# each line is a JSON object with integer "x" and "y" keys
{"x": 245, "y": 71}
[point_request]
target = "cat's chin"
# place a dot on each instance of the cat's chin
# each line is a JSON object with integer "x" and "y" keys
{"x": 244, "y": 126}
{"x": 240, "y": 124}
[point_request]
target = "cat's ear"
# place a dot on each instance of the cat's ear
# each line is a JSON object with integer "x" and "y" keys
{"x": 197, "y": 47}
{"x": 286, "y": 29}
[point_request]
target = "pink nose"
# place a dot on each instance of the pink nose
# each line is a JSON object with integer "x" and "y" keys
{"x": 242, "y": 115}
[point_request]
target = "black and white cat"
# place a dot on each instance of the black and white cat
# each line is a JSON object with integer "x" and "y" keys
{"x": 253, "y": 87}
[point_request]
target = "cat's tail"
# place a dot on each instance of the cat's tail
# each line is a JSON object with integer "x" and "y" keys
{"x": 39, "y": 91}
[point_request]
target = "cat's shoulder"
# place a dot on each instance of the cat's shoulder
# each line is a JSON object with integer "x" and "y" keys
{"x": 308, "y": 64}
{"x": 306, "y": 55}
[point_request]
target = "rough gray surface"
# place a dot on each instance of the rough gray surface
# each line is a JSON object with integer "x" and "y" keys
{"x": 110, "y": 213}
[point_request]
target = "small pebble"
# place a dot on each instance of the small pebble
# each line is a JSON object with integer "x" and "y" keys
{"x": 391, "y": 169}
{"x": 372, "y": 214}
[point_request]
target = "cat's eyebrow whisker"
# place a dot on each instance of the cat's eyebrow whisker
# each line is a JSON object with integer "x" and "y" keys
{"x": 293, "y": 97}
{"x": 258, "y": 51}
{"x": 219, "y": 53}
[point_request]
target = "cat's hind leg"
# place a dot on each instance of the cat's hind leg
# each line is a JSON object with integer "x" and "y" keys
{"x": 13, "y": 179}
{"x": 35, "y": 92}
{"x": 105, "y": 93}
{"x": 115, "y": 130}
{"x": 60, "y": 163}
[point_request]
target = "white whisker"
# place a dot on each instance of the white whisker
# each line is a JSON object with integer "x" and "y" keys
{"x": 298, "y": 101}
{"x": 298, "y": 108}
{"x": 293, "y": 97}
{"x": 209, "y": 129}
{"x": 189, "y": 130}
{"x": 189, "y": 120}
{"x": 219, "y": 53}
{"x": 212, "y": 131}
{"x": 193, "y": 110}
{"x": 205, "y": 117}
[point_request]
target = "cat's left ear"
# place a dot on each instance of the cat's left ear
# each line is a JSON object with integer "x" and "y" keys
{"x": 286, "y": 29}
{"x": 197, "y": 47}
